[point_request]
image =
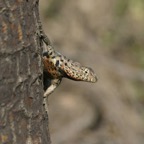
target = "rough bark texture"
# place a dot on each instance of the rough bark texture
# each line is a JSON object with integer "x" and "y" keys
{"x": 22, "y": 117}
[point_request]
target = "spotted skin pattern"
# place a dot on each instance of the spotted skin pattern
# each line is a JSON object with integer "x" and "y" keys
{"x": 57, "y": 66}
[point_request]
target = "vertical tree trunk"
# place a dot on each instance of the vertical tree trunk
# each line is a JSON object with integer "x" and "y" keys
{"x": 22, "y": 117}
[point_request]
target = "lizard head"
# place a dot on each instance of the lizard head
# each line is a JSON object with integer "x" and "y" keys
{"x": 89, "y": 75}
{"x": 80, "y": 73}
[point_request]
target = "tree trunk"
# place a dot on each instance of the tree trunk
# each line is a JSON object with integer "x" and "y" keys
{"x": 23, "y": 119}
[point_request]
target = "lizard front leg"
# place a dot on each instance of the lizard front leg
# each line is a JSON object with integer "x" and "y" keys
{"x": 54, "y": 83}
{"x": 51, "y": 84}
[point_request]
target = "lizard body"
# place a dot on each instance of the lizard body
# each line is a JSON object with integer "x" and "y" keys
{"x": 59, "y": 66}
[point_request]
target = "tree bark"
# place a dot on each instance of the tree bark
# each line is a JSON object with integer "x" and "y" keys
{"x": 23, "y": 119}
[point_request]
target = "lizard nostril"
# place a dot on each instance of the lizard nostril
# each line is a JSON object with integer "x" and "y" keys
{"x": 91, "y": 70}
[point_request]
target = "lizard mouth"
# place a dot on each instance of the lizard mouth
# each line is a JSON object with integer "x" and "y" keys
{"x": 95, "y": 79}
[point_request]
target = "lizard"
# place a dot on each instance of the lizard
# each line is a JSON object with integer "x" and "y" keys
{"x": 56, "y": 67}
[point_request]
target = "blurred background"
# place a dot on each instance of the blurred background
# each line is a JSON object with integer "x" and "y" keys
{"x": 108, "y": 36}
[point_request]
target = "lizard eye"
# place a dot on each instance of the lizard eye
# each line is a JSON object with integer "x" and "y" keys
{"x": 86, "y": 71}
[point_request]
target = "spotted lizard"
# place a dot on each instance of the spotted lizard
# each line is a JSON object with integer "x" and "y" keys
{"x": 57, "y": 67}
